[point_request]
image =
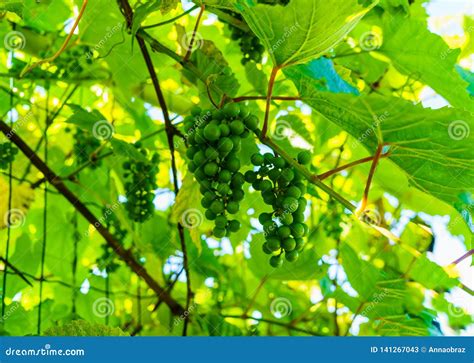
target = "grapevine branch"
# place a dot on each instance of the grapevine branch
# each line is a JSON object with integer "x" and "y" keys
{"x": 169, "y": 128}
{"x": 191, "y": 43}
{"x": 124, "y": 254}
{"x": 63, "y": 47}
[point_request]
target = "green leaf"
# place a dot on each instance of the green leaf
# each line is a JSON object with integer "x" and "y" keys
{"x": 257, "y": 78}
{"x": 13, "y": 6}
{"x": 82, "y": 328}
{"x": 126, "y": 150}
{"x": 425, "y": 57}
{"x": 305, "y": 268}
{"x": 362, "y": 275}
{"x": 141, "y": 12}
{"x": 303, "y": 29}
{"x": 83, "y": 118}
{"x": 433, "y": 147}
{"x": 211, "y": 65}
{"x": 187, "y": 209}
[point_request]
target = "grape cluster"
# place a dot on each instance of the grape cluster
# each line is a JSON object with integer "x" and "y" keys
{"x": 215, "y": 139}
{"x": 249, "y": 43}
{"x": 140, "y": 184}
{"x": 7, "y": 154}
{"x": 108, "y": 258}
{"x": 85, "y": 145}
{"x": 282, "y": 187}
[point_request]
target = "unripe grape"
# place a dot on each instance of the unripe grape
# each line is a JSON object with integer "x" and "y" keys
{"x": 304, "y": 157}
{"x": 212, "y": 132}
{"x": 276, "y": 261}
{"x": 257, "y": 159}
{"x": 273, "y": 244}
{"x": 231, "y": 110}
{"x": 288, "y": 244}
{"x": 291, "y": 256}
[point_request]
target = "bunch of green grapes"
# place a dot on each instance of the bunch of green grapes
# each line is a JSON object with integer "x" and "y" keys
{"x": 282, "y": 187}
{"x": 85, "y": 145}
{"x": 73, "y": 61}
{"x": 249, "y": 43}
{"x": 140, "y": 184}
{"x": 7, "y": 154}
{"x": 215, "y": 139}
{"x": 108, "y": 258}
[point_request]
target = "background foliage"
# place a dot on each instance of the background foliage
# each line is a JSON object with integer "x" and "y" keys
{"x": 355, "y": 74}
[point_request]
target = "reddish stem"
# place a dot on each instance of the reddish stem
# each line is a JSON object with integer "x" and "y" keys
{"x": 271, "y": 83}
{"x": 350, "y": 165}
{"x": 375, "y": 161}
{"x": 466, "y": 255}
{"x": 191, "y": 43}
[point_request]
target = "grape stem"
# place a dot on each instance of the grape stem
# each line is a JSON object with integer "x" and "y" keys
{"x": 172, "y": 19}
{"x": 375, "y": 160}
{"x": 466, "y": 255}
{"x": 271, "y": 83}
{"x": 196, "y": 26}
{"x": 350, "y": 165}
{"x": 64, "y": 45}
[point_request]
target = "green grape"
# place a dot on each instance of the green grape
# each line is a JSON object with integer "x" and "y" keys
{"x": 276, "y": 261}
{"x": 283, "y": 189}
{"x": 304, "y": 157}
{"x": 215, "y": 138}
{"x": 140, "y": 184}
{"x": 7, "y": 154}
{"x": 212, "y": 132}
{"x": 292, "y": 256}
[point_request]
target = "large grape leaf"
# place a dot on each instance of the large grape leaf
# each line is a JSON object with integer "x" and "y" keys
{"x": 303, "y": 29}
{"x": 426, "y": 57}
{"x": 433, "y": 147}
